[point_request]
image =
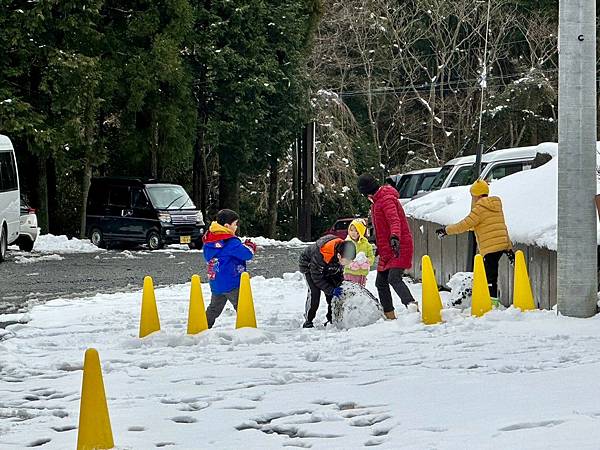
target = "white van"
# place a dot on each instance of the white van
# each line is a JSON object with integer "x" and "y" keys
{"x": 412, "y": 183}
{"x": 494, "y": 166}
{"x": 10, "y": 198}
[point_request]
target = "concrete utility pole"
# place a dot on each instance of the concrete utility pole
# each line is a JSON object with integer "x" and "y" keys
{"x": 577, "y": 271}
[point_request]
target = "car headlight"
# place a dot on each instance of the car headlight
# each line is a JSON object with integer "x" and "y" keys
{"x": 164, "y": 217}
{"x": 199, "y": 217}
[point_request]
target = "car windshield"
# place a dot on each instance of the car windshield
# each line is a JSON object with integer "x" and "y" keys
{"x": 427, "y": 181}
{"x": 439, "y": 179}
{"x": 169, "y": 197}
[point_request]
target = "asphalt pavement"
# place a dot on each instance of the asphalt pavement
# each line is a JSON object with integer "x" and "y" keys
{"x": 28, "y": 279}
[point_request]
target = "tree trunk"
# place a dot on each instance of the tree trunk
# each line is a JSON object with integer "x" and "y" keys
{"x": 56, "y": 221}
{"x": 273, "y": 198}
{"x": 154, "y": 148}
{"x": 42, "y": 188}
{"x": 229, "y": 190}
{"x": 200, "y": 174}
{"x": 85, "y": 188}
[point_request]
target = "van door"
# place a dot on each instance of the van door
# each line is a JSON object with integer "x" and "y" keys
{"x": 10, "y": 203}
{"x": 143, "y": 216}
{"x": 119, "y": 217}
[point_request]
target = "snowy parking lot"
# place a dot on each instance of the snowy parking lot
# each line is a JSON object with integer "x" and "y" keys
{"x": 63, "y": 268}
{"x": 507, "y": 380}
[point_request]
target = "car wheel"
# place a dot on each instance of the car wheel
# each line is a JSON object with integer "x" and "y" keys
{"x": 97, "y": 238}
{"x": 154, "y": 241}
{"x": 3, "y": 244}
{"x": 26, "y": 244}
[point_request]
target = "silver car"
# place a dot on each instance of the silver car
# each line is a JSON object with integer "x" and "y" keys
{"x": 28, "y": 231}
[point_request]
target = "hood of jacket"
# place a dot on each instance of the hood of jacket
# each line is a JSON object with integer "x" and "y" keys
{"x": 217, "y": 232}
{"x": 490, "y": 203}
{"x": 386, "y": 191}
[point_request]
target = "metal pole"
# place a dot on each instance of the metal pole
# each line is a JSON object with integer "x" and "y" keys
{"x": 472, "y": 242}
{"x": 576, "y": 262}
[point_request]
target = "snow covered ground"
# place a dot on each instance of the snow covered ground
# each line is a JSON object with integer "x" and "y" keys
{"x": 508, "y": 380}
{"x": 529, "y": 199}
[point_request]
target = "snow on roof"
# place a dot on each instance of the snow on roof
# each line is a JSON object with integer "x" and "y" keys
{"x": 529, "y": 199}
{"x": 521, "y": 152}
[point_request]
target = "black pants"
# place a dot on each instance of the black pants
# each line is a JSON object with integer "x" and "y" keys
{"x": 392, "y": 277}
{"x": 490, "y": 262}
{"x": 313, "y": 298}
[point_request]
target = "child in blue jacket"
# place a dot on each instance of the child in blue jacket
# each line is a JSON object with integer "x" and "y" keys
{"x": 226, "y": 256}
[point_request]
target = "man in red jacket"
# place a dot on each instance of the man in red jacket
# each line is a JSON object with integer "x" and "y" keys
{"x": 394, "y": 242}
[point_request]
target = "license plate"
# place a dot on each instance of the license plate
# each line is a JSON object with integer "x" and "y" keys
{"x": 185, "y": 239}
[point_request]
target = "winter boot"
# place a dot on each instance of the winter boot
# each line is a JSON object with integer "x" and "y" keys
{"x": 308, "y": 324}
{"x": 390, "y": 315}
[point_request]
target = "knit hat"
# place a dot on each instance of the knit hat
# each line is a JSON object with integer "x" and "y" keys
{"x": 367, "y": 185}
{"x": 480, "y": 187}
{"x": 360, "y": 226}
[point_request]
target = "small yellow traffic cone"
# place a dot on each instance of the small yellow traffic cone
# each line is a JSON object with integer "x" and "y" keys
{"x": 431, "y": 309}
{"x": 149, "y": 322}
{"x": 481, "y": 300}
{"x": 246, "y": 317}
{"x": 522, "y": 294}
{"x": 94, "y": 422}
{"x": 197, "y": 321}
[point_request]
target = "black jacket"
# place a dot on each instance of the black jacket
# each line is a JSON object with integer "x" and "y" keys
{"x": 320, "y": 262}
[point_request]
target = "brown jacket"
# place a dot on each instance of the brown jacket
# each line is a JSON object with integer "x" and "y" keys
{"x": 487, "y": 220}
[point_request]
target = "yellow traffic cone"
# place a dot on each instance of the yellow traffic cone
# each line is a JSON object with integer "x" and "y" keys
{"x": 246, "y": 316}
{"x": 197, "y": 321}
{"x": 522, "y": 294}
{"x": 94, "y": 422}
{"x": 149, "y": 322}
{"x": 431, "y": 309}
{"x": 481, "y": 300}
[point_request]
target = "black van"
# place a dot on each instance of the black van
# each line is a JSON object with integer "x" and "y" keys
{"x": 129, "y": 210}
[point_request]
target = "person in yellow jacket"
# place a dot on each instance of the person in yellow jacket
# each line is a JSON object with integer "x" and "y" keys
{"x": 358, "y": 269}
{"x": 486, "y": 219}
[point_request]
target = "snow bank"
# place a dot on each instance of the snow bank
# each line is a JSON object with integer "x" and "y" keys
{"x": 467, "y": 383}
{"x": 529, "y": 199}
{"x": 48, "y": 243}
{"x": 266, "y": 242}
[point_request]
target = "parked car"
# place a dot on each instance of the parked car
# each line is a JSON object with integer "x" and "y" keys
{"x": 131, "y": 210}
{"x": 412, "y": 183}
{"x": 340, "y": 227}
{"x": 9, "y": 196}
{"x": 28, "y": 230}
{"x": 494, "y": 166}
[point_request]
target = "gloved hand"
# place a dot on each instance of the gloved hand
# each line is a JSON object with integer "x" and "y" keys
{"x": 251, "y": 245}
{"x": 441, "y": 233}
{"x": 364, "y": 265}
{"x": 354, "y": 265}
{"x": 337, "y": 292}
{"x": 511, "y": 257}
{"x": 395, "y": 244}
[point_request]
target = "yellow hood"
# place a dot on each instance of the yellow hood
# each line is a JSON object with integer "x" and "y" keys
{"x": 360, "y": 226}
{"x": 217, "y": 228}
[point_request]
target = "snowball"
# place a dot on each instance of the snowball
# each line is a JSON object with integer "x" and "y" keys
{"x": 356, "y": 307}
{"x": 461, "y": 285}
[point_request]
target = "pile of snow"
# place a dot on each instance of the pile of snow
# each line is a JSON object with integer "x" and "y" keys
{"x": 266, "y": 242}
{"x": 356, "y": 307}
{"x": 467, "y": 383}
{"x": 461, "y": 290}
{"x": 529, "y": 199}
{"x": 48, "y": 243}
